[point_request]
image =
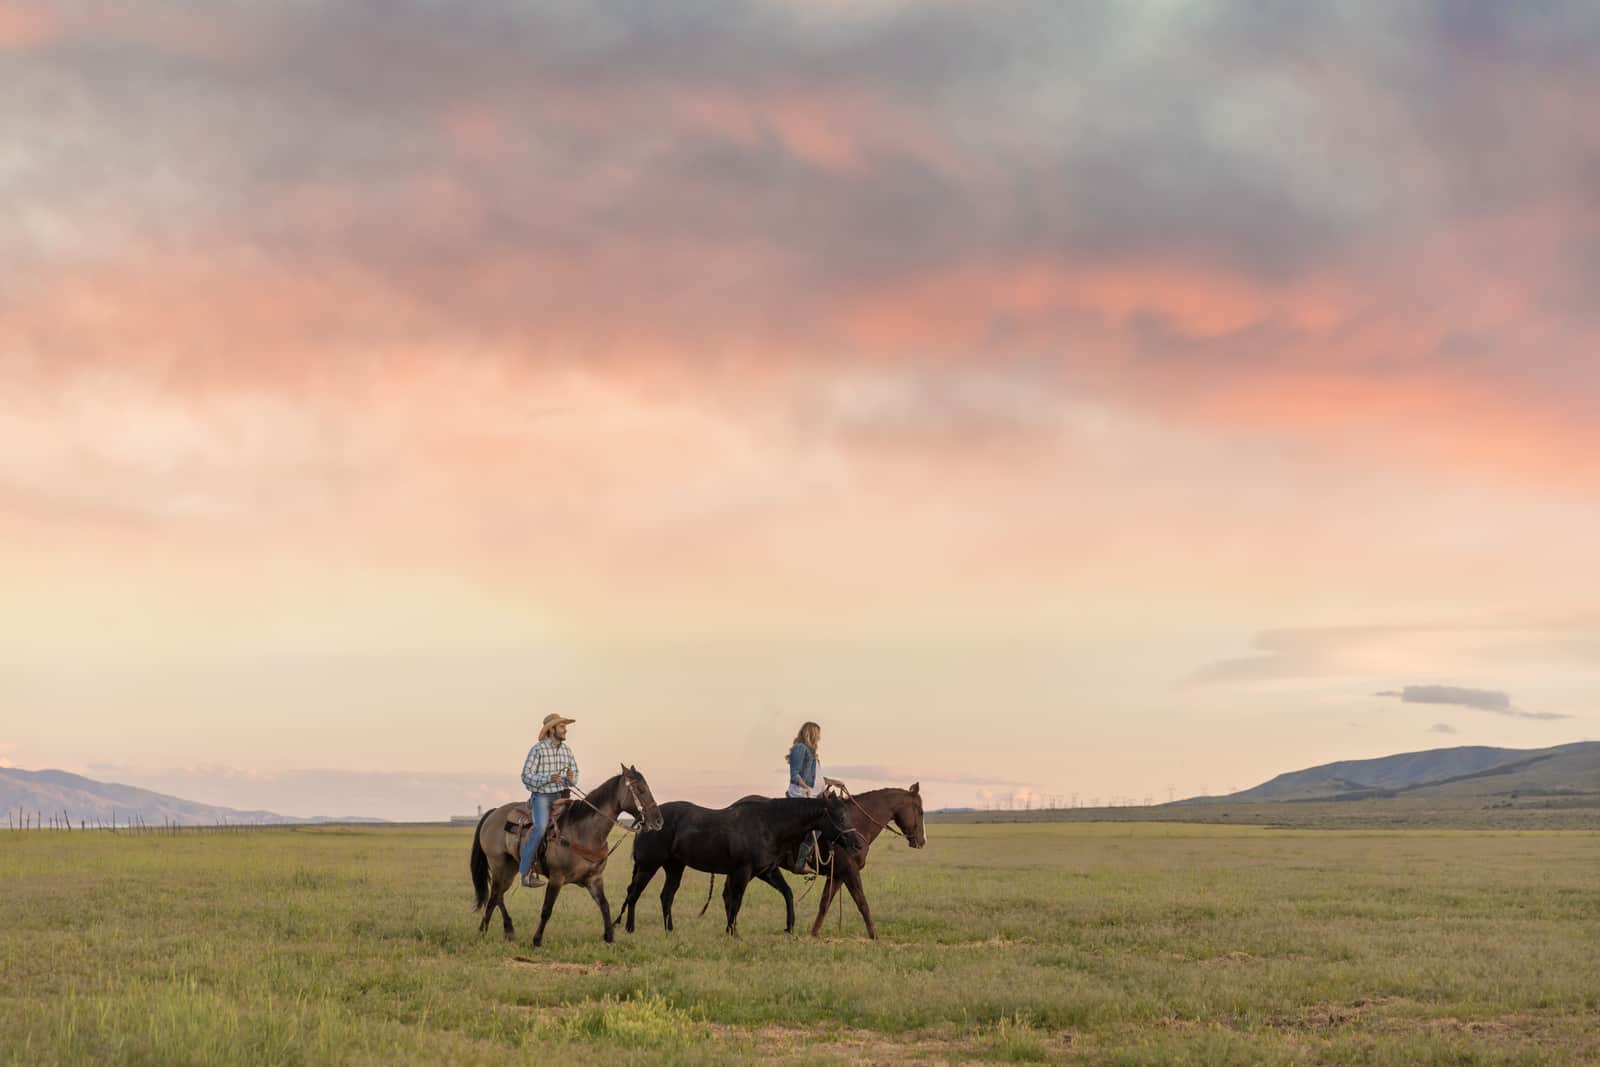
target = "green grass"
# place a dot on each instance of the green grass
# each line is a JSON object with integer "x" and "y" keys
{"x": 1437, "y": 808}
{"x": 1098, "y": 942}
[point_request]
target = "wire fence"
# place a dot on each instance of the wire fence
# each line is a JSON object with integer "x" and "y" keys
{"x": 127, "y": 822}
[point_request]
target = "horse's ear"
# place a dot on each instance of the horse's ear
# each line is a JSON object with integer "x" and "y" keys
{"x": 624, "y": 767}
{"x": 633, "y": 768}
{"x": 916, "y": 787}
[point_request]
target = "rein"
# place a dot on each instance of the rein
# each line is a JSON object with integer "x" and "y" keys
{"x": 886, "y": 824}
{"x": 590, "y": 854}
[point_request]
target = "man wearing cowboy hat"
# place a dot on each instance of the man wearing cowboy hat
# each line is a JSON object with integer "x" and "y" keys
{"x": 548, "y": 772}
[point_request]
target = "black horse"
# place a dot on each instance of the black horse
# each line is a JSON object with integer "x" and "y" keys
{"x": 750, "y": 839}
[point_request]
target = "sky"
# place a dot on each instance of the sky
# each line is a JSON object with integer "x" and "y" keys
{"x": 1089, "y": 402}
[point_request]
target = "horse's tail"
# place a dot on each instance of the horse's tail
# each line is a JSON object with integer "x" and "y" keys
{"x": 480, "y": 864}
{"x": 709, "y": 887}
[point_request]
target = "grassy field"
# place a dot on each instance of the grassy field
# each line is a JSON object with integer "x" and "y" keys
{"x": 1099, "y": 943}
{"x": 1435, "y": 811}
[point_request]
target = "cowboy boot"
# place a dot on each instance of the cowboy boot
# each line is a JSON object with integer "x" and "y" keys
{"x": 803, "y": 859}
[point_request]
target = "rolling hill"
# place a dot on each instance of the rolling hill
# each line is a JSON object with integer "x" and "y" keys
{"x": 84, "y": 800}
{"x": 1466, "y": 788}
{"x": 1469, "y": 771}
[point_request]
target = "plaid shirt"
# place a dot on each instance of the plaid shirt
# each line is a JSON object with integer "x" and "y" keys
{"x": 544, "y": 760}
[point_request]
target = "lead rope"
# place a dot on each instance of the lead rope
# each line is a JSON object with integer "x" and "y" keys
{"x": 816, "y": 868}
{"x": 840, "y": 908}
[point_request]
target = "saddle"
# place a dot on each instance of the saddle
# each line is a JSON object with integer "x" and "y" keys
{"x": 519, "y": 823}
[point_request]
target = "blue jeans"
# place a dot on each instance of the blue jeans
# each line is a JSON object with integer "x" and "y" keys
{"x": 539, "y": 807}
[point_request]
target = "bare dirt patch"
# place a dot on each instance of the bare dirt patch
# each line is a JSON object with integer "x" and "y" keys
{"x": 1224, "y": 960}
{"x": 1522, "y": 1026}
{"x": 924, "y": 946}
{"x": 1389, "y": 1015}
{"x": 562, "y": 967}
{"x": 1321, "y": 1017}
{"x": 855, "y": 1046}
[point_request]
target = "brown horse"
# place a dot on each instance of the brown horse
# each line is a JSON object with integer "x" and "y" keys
{"x": 870, "y": 814}
{"x": 574, "y": 848}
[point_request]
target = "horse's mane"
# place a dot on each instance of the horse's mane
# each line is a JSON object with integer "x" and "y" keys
{"x": 578, "y": 814}
{"x": 885, "y": 789}
{"x": 894, "y": 792}
{"x": 889, "y": 800}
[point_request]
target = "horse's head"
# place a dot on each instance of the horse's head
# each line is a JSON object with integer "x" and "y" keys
{"x": 908, "y": 816}
{"x": 835, "y": 822}
{"x": 641, "y": 803}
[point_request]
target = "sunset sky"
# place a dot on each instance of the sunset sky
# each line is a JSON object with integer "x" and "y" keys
{"x": 1109, "y": 399}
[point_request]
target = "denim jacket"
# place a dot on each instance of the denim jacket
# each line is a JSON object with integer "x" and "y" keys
{"x": 803, "y": 765}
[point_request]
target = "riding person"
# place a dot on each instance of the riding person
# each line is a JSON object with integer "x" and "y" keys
{"x": 805, "y": 772}
{"x": 548, "y": 772}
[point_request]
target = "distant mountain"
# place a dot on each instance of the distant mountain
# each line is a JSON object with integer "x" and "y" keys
{"x": 84, "y": 800}
{"x": 1467, "y": 771}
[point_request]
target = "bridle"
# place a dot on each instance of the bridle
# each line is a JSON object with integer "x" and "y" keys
{"x": 593, "y": 855}
{"x": 883, "y": 824}
{"x": 842, "y": 831}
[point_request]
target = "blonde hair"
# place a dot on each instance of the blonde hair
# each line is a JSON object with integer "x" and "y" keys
{"x": 810, "y": 735}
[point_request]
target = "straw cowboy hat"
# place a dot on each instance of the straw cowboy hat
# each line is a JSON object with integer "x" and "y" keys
{"x": 551, "y": 721}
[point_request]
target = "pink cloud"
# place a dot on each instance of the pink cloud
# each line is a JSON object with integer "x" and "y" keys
{"x": 815, "y": 226}
{"x": 26, "y": 25}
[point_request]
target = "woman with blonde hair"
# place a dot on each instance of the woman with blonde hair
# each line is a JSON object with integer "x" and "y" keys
{"x": 806, "y": 780}
{"x": 805, "y": 770}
